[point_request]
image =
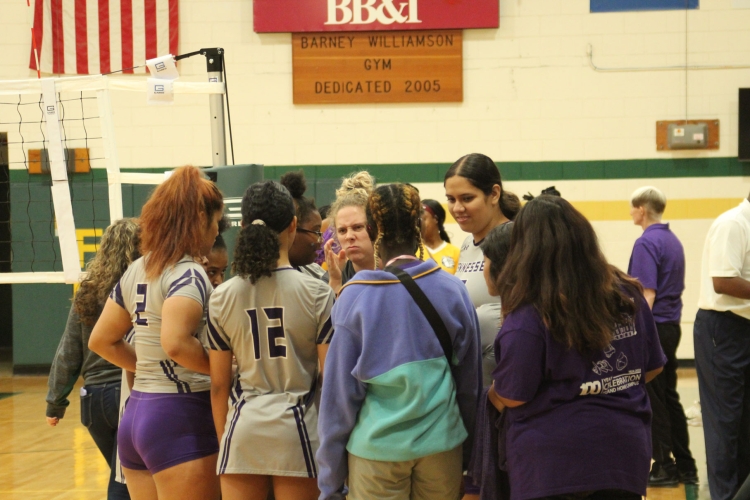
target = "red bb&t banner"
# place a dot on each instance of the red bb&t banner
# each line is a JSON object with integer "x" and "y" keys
{"x": 299, "y": 16}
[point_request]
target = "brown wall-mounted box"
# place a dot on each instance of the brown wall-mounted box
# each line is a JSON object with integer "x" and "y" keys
{"x": 76, "y": 161}
{"x": 662, "y": 136}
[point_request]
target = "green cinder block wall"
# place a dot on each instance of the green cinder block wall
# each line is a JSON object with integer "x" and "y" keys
{"x": 40, "y": 310}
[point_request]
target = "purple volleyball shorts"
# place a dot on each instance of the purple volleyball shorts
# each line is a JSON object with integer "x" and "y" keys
{"x": 159, "y": 431}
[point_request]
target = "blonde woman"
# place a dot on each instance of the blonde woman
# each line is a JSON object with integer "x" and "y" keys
{"x": 100, "y": 395}
{"x": 350, "y": 227}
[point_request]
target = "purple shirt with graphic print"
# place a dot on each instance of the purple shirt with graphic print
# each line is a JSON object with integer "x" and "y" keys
{"x": 585, "y": 425}
{"x": 658, "y": 261}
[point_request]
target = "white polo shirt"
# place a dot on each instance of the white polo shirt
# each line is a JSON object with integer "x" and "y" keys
{"x": 726, "y": 255}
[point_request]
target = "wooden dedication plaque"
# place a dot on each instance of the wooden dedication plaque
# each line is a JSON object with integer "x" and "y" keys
{"x": 396, "y": 66}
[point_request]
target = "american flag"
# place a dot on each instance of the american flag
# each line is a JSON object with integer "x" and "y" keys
{"x": 99, "y": 36}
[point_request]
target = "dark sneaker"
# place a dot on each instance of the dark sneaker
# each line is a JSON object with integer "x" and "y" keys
{"x": 663, "y": 478}
{"x": 688, "y": 477}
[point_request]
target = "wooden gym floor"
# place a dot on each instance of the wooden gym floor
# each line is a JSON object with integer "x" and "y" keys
{"x": 39, "y": 462}
{"x": 42, "y": 462}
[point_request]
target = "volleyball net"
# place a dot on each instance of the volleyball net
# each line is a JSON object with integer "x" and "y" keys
{"x": 60, "y": 177}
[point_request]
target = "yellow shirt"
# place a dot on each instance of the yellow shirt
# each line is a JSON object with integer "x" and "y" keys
{"x": 446, "y": 256}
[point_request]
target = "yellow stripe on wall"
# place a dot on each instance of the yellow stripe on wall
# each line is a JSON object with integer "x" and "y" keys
{"x": 684, "y": 209}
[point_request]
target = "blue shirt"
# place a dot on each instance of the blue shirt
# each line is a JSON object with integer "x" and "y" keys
{"x": 658, "y": 261}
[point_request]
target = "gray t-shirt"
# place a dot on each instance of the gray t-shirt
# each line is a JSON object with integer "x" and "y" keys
{"x": 471, "y": 272}
{"x": 156, "y": 372}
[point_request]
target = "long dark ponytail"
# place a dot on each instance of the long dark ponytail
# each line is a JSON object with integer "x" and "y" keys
{"x": 267, "y": 209}
{"x": 438, "y": 211}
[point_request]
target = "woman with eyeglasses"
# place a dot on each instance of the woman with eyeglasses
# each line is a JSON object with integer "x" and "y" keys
{"x": 350, "y": 228}
{"x": 307, "y": 243}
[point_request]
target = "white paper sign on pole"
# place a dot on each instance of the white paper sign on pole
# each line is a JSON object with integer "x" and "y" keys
{"x": 160, "y": 92}
{"x": 164, "y": 67}
{"x": 163, "y": 72}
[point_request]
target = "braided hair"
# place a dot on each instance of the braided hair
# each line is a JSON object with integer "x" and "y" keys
{"x": 438, "y": 211}
{"x": 267, "y": 210}
{"x": 297, "y": 185}
{"x": 393, "y": 217}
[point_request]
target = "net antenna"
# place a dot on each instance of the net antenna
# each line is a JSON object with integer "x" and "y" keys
{"x": 43, "y": 114}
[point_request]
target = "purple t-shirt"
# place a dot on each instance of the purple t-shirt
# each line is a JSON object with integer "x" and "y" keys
{"x": 586, "y": 422}
{"x": 658, "y": 261}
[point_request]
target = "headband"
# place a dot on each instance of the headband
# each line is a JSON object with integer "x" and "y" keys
{"x": 430, "y": 210}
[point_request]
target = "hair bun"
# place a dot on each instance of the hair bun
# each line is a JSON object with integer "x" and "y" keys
{"x": 360, "y": 180}
{"x": 295, "y": 182}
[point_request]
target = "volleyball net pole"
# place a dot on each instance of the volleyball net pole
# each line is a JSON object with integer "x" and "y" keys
{"x": 215, "y": 69}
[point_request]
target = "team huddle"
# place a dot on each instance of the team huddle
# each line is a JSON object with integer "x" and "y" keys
{"x": 385, "y": 373}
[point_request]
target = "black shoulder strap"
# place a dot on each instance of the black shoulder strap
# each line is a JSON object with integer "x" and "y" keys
{"x": 436, "y": 322}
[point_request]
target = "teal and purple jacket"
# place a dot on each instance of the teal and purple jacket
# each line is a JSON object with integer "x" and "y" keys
{"x": 389, "y": 393}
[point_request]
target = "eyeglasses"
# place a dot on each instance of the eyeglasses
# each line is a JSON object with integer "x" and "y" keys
{"x": 316, "y": 233}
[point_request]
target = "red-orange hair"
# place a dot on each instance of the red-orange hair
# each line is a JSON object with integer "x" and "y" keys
{"x": 170, "y": 220}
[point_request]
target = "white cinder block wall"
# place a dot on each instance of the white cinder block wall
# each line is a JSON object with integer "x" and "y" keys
{"x": 530, "y": 94}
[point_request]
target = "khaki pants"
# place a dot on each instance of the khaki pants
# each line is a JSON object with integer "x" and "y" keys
{"x": 434, "y": 477}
